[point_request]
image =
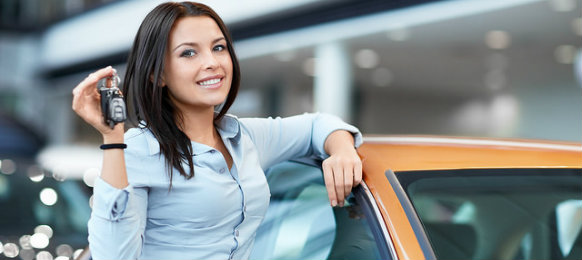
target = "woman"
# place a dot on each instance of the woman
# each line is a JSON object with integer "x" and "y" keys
{"x": 190, "y": 184}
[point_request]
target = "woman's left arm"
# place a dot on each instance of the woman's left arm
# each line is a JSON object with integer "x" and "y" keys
{"x": 343, "y": 169}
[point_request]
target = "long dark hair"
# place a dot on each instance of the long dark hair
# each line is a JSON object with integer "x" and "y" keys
{"x": 150, "y": 103}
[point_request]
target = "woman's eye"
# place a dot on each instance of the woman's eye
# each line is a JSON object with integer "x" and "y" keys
{"x": 219, "y": 48}
{"x": 188, "y": 53}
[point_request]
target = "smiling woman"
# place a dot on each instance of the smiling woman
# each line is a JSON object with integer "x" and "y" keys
{"x": 191, "y": 183}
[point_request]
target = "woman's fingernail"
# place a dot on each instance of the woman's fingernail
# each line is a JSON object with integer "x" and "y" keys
{"x": 333, "y": 203}
{"x": 341, "y": 204}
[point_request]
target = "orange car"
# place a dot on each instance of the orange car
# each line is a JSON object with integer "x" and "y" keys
{"x": 433, "y": 197}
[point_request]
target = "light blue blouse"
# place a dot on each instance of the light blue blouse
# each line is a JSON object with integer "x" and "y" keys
{"x": 213, "y": 215}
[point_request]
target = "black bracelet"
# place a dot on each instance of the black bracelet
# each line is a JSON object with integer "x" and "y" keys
{"x": 113, "y": 146}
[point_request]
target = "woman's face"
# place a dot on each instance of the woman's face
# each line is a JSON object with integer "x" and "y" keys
{"x": 198, "y": 70}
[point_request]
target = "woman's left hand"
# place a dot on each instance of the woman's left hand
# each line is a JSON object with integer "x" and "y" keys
{"x": 343, "y": 169}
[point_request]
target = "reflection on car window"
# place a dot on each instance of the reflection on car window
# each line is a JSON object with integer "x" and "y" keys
{"x": 499, "y": 214}
{"x": 300, "y": 223}
{"x": 40, "y": 216}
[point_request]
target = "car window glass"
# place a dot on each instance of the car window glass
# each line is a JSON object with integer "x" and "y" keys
{"x": 300, "y": 223}
{"x": 499, "y": 214}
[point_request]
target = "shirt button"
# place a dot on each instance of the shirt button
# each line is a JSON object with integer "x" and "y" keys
{"x": 212, "y": 151}
{"x": 221, "y": 170}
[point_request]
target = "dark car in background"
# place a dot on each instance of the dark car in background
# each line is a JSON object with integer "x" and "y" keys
{"x": 41, "y": 217}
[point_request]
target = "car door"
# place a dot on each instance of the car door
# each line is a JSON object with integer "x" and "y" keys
{"x": 301, "y": 224}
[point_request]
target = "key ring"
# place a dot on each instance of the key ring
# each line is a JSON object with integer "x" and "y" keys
{"x": 113, "y": 81}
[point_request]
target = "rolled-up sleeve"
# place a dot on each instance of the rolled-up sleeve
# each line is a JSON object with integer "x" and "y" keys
{"x": 117, "y": 224}
{"x": 108, "y": 202}
{"x": 281, "y": 139}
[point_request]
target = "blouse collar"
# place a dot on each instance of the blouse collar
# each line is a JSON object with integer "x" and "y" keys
{"x": 228, "y": 127}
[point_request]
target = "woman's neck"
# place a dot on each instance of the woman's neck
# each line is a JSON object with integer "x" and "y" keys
{"x": 199, "y": 126}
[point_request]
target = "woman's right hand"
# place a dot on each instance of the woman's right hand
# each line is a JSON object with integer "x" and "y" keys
{"x": 87, "y": 103}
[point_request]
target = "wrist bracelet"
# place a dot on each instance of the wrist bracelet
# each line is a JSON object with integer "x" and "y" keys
{"x": 113, "y": 146}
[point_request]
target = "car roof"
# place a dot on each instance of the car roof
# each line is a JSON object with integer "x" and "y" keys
{"x": 411, "y": 153}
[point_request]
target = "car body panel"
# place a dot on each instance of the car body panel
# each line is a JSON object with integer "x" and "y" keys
{"x": 415, "y": 153}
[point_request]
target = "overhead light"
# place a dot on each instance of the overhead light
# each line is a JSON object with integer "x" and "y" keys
{"x": 564, "y": 54}
{"x": 367, "y": 59}
{"x": 44, "y": 255}
{"x": 64, "y": 251}
{"x": 90, "y": 176}
{"x": 39, "y": 240}
{"x": 11, "y": 250}
{"x": 498, "y": 39}
{"x": 7, "y": 166}
{"x": 35, "y": 173}
{"x": 44, "y": 229}
{"x": 562, "y": 5}
{"x": 48, "y": 196}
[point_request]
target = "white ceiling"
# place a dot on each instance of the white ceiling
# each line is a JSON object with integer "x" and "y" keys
{"x": 449, "y": 56}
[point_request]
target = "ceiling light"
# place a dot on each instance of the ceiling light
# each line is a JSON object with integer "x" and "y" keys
{"x": 564, "y": 54}
{"x": 44, "y": 255}
{"x": 64, "y": 250}
{"x": 11, "y": 250}
{"x": 8, "y": 166}
{"x": 367, "y": 59}
{"x": 24, "y": 242}
{"x": 48, "y": 196}
{"x": 35, "y": 173}
{"x": 498, "y": 40}
{"x": 90, "y": 175}
{"x": 39, "y": 240}
{"x": 562, "y": 5}
{"x": 44, "y": 229}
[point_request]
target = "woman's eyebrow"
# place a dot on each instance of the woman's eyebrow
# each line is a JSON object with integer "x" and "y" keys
{"x": 196, "y": 44}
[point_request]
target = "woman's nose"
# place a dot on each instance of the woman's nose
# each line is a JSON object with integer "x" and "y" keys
{"x": 210, "y": 61}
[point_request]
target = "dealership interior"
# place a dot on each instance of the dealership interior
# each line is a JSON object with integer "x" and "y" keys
{"x": 479, "y": 68}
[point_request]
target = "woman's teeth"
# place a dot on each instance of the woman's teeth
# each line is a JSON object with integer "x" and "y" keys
{"x": 209, "y": 82}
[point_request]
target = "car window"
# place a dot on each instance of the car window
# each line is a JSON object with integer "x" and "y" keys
{"x": 500, "y": 213}
{"x": 300, "y": 223}
{"x": 41, "y": 217}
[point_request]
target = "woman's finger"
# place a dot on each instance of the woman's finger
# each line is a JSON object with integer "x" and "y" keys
{"x": 338, "y": 178}
{"x": 91, "y": 80}
{"x": 329, "y": 183}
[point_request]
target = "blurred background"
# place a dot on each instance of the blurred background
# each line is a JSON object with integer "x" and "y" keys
{"x": 499, "y": 68}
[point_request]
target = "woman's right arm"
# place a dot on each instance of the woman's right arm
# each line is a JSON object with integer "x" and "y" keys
{"x": 87, "y": 104}
{"x": 117, "y": 221}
